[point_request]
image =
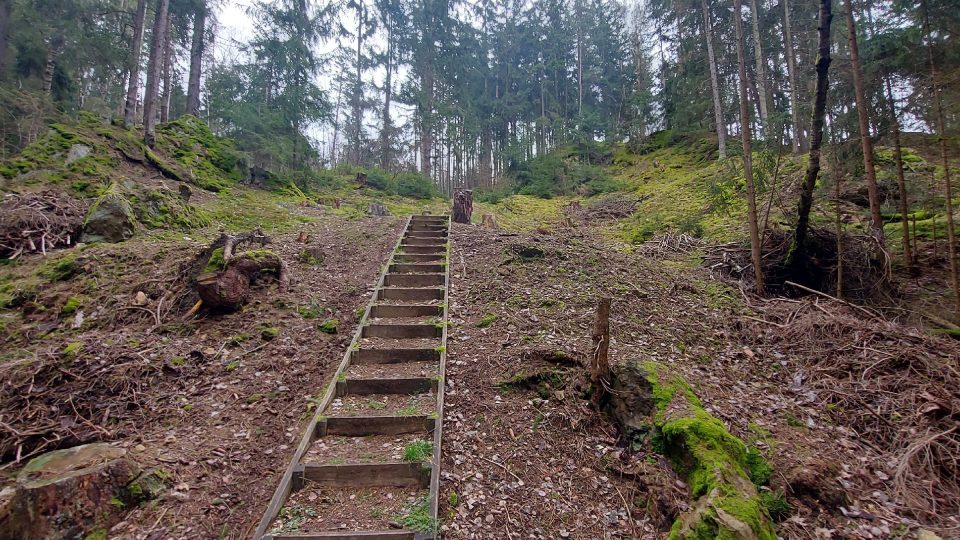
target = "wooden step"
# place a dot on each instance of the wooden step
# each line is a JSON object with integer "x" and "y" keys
{"x": 417, "y": 268}
{"x": 408, "y": 386}
{"x": 396, "y": 474}
{"x": 342, "y": 535}
{"x": 427, "y": 227}
{"x": 402, "y": 331}
{"x": 439, "y": 233}
{"x": 387, "y": 311}
{"x": 414, "y": 258}
{"x": 429, "y": 219}
{"x": 413, "y": 295}
{"x": 417, "y": 241}
{"x": 423, "y": 250}
{"x": 413, "y": 280}
{"x": 393, "y": 356}
{"x": 360, "y": 426}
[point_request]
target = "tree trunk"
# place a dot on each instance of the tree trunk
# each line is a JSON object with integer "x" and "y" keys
{"x": 947, "y": 187}
{"x": 133, "y": 82}
{"x": 153, "y": 73}
{"x": 426, "y": 121}
{"x": 600, "y": 362}
{"x": 901, "y": 182}
{"x": 714, "y": 82}
{"x": 462, "y": 206}
{"x": 760, "y": 75}
{"x": 791, "y": 76}
{"x": 196, "y": 59}
{"x": 167, "y": 72}
{"x": 865, "y": 142}
{"x": 385, "y": 132}
{"x": 50, "y": 64}
{"x": 6, "y": 9}
{"x": 797, "y": 256}
{"x": 747, "y": 156}
{"x": 357, "y": 95}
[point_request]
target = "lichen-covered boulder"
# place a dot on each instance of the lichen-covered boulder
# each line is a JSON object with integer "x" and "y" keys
{"x": 110, "y": 219}
{"x": 65, "y": 494}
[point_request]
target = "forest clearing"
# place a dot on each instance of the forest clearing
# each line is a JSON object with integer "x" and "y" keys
{"x": 390, "y": 270}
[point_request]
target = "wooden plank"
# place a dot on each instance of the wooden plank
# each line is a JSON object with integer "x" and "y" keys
{"x": 343, "y": 535}
{"x": 360, "y": 426}
{"x": 437, "y": 233}
{"x": 421, "y": 268}
{"x": 407, "y": 386}
{"x": 414, "y": 295}
{"x": 422, "y": 250}
{"x": 419, "y": 257}
{"x": 394, "y": 474}
{"x": 413, "y": 280}
{"x": 394, "y": 356}
{"x": 385, "y": 311}
{"x": 417, "y": 241}
{"x": 401, "y": 331}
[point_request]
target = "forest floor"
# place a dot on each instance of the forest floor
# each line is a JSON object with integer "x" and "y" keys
{"x": 856, "y": 414}
{"x": 219, "y": 403}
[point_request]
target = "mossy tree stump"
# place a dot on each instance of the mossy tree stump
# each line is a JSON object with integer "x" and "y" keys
{"x": 226, "y": 279}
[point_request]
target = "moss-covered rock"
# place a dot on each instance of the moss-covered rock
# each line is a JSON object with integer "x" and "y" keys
{"x": 110, "y": 218}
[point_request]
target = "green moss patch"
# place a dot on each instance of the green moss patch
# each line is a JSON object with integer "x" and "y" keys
{"x": 329, "y": 326}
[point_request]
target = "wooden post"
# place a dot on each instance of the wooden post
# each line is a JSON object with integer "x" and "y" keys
{"x": 462, "y": 206}
{"x": 600, "y": 366}
{"x": 489, "y": 222}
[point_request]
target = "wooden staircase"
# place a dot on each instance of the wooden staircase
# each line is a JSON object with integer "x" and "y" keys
{"x": 405, "y": 324}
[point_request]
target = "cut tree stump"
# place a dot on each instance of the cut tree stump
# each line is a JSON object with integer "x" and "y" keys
{"x": 378, "y": 210}
{"x": 600, "y": 365}
{"x": 489, "y": 222}
{"x": 67, "y": 493}
{"x": 462, "y": 206}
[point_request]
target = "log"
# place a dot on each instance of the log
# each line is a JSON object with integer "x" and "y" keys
{"x": 462, "y": 206}
{"x": 600, "y": 364}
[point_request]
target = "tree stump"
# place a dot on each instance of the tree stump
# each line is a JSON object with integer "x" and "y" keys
{"x": 377, "y": 209}
{"x": 462, "y": 206}
{"x": 67, "y": 493}
{"x": 223, "y": 278}
{"x": 600, "y": 364}
{"x": 488, "y": 222}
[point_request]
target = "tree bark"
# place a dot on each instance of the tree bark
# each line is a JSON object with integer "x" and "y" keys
{"x": 462, "y": 206}
{"x": 153, "y": 73}
{"x": 600, "y": 362}
{"x": 947, "y": 186}
{"x": 133, "y": 81}
{"x": 6, "y": 9}
{"x": 196, "y": 59}
{"x": 865, "y": 143}
{"x": 792, "y": 76}
{"x": 798, "y": 255}
{"x": 760, "y": 74}
{"x": 714, "y": 82}
{"x": 901, "y": 181}
{"x": 747, "y": 156}
{"x": 167, "y": 72}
